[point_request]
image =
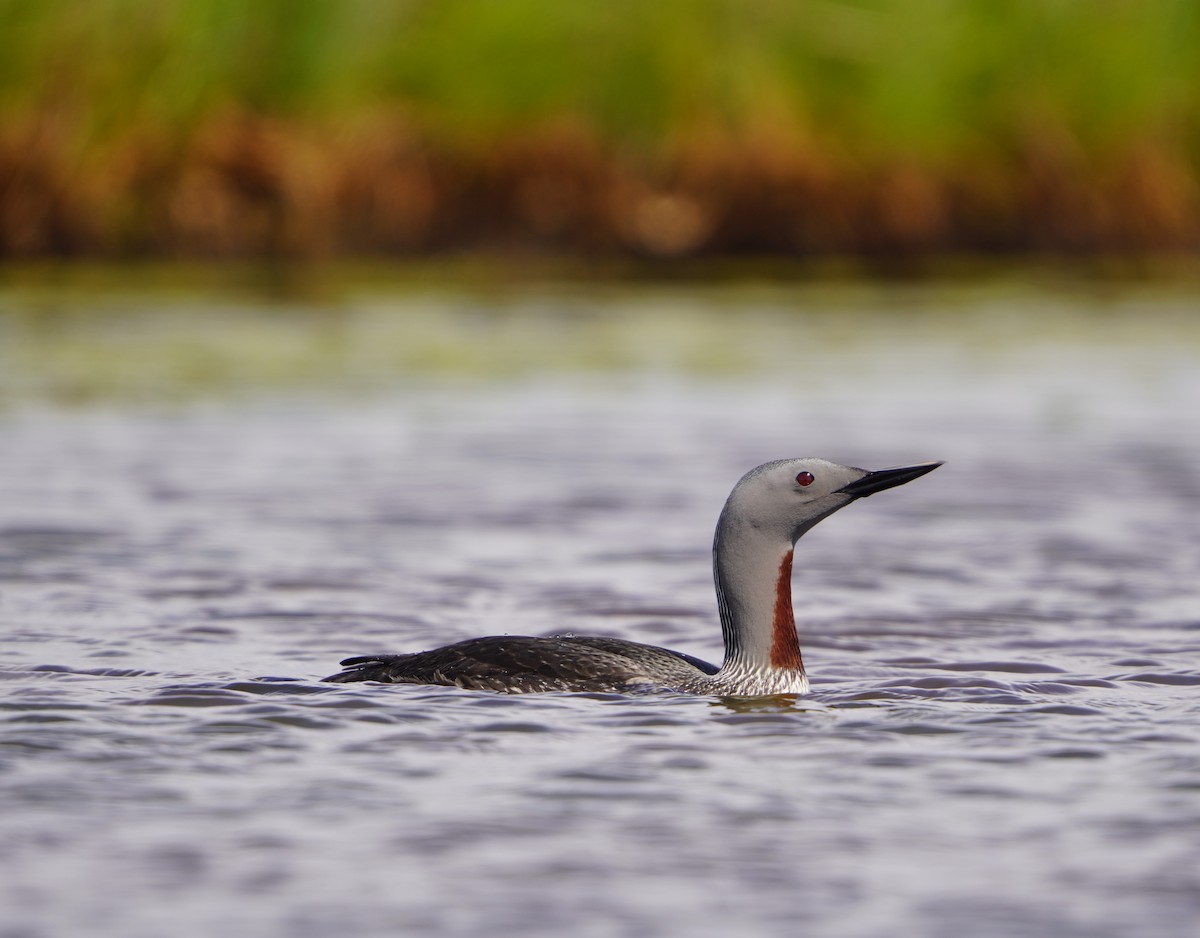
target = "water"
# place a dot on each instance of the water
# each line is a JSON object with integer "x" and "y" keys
{"x": 1002, "y": 738}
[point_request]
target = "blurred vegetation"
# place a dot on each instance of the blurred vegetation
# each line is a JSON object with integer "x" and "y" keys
{"x": 302, "y": 128}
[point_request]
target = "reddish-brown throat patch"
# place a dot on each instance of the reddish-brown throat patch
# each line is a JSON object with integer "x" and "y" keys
{"x": 785, "y": 645}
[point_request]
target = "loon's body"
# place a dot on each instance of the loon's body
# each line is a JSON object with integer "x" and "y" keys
{"x": 767, "y": 512}
{"x": 524, "y": 663}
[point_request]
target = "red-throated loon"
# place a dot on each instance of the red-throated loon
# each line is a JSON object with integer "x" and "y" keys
{"x": 767, "y": 512}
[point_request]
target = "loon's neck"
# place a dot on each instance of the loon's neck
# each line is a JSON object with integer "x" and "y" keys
{"x": 753, "y": 574}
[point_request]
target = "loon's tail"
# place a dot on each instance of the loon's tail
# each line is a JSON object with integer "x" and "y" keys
{"x": 367, "y": 668}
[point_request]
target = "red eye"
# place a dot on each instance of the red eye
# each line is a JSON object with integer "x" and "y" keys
{"x": 805, "y": 478}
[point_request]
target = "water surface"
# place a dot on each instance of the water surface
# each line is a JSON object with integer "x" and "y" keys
{"x": 1002, "y": 737}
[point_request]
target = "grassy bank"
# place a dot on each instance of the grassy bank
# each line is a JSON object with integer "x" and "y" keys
{"x": 301, "y": 128}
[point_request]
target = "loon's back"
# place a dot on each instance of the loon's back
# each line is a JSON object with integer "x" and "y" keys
{"x": 524, "y": 664}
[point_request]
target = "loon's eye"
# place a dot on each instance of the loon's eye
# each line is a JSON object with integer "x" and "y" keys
{"x": 805, "y": 478}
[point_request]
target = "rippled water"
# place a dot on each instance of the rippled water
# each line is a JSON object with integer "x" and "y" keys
{"x": 1002, "y": 737}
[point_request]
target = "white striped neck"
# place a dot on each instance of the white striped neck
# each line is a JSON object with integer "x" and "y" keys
{"x": 753, "y": 576}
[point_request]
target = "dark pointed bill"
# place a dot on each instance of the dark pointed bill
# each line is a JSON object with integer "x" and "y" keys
{"x": 882, "y": 479}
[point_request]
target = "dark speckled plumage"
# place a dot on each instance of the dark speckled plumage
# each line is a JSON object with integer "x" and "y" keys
{"x": 522, "y": 663}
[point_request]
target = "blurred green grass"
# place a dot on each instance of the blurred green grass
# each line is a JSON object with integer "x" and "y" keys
{"x": 947, "y": 95}
{"x": 921, "y": 74}
{"x": 922, "y": 71}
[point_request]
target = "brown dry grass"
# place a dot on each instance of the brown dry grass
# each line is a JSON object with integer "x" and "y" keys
{"x": 245, "y": 186}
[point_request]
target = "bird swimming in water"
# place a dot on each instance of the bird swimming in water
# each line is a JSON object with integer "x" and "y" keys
{"x": 765, "y": 514}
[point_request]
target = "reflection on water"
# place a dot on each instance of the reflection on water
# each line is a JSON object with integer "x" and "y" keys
{"x": 1001, "y": 739}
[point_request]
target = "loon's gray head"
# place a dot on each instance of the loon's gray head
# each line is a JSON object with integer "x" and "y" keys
{"x": 789, "y": 496}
